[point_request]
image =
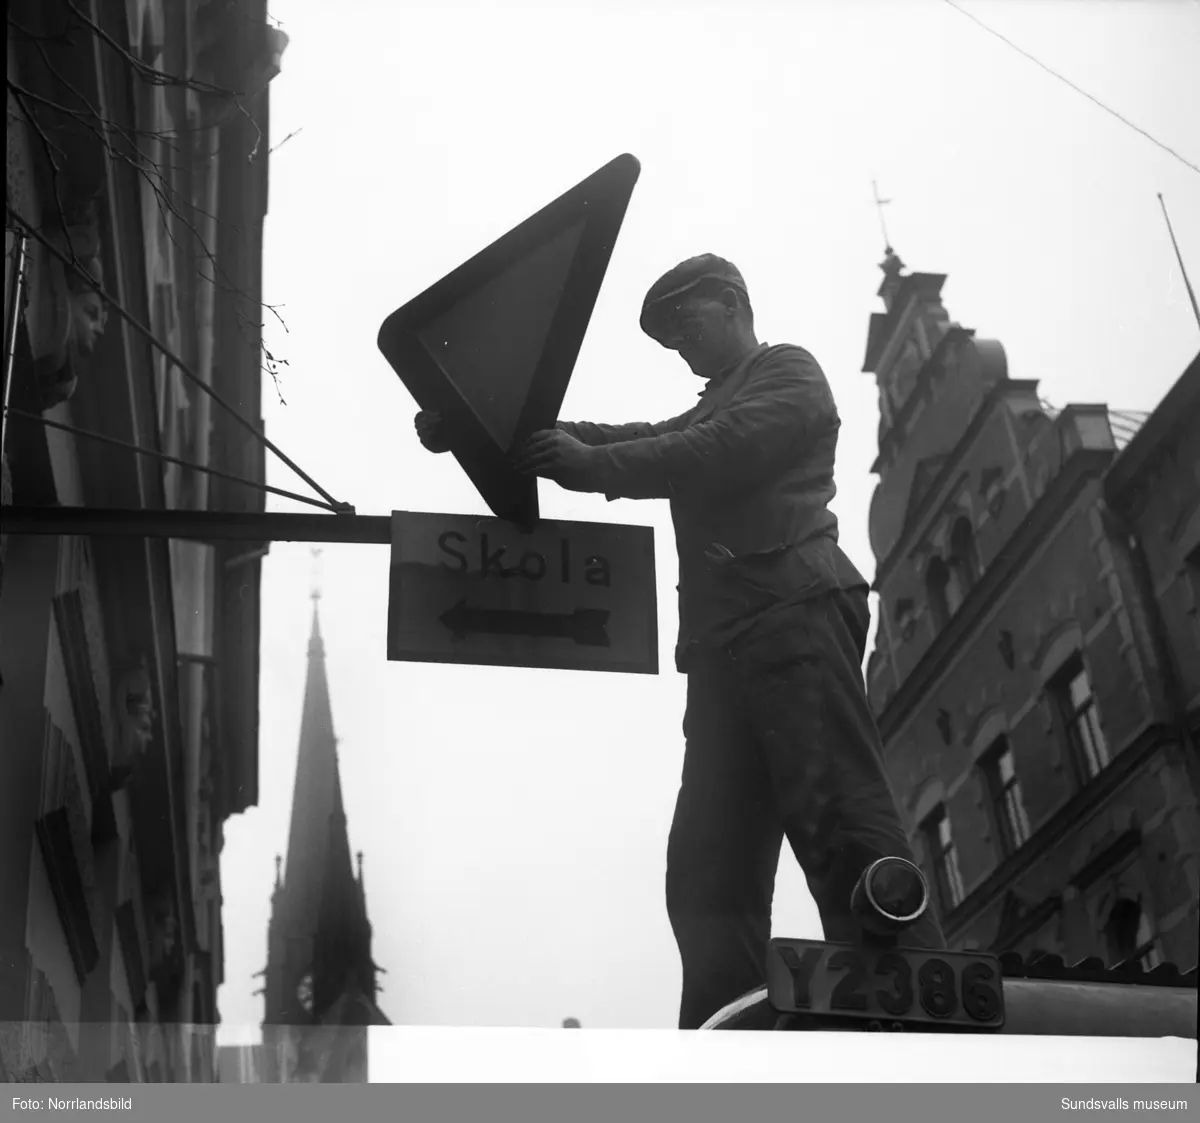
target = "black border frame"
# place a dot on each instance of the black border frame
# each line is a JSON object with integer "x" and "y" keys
{"x": 602, "y": 199}
{"x": 564, "y": 659}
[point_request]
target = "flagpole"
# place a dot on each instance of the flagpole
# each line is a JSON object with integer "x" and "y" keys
{"x": 1179, "y": 257}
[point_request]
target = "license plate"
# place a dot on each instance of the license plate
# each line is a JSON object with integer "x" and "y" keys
{"x": 907, "y": 985}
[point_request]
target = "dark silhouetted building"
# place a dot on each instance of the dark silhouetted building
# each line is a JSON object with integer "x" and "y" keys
{"x": 128, "y": 666}
{"x": 1036, "y": 672}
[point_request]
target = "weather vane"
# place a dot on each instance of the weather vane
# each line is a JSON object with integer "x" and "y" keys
{"x": 879, "y": 205}
{"x": 316, "y": 573}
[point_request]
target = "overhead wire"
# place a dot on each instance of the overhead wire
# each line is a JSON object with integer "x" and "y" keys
{"x": 38, "y": 419}
{"x": 1054, "y": 73}
{"x": 183, "y": 368}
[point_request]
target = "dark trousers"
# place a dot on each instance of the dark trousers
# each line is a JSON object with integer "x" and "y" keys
{"x": 781, "y": 743}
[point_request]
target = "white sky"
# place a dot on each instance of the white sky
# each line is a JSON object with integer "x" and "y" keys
{"x": 514, "y": 822}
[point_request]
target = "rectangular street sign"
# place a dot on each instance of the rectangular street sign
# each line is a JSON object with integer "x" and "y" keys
{"x": 564, "y": 595}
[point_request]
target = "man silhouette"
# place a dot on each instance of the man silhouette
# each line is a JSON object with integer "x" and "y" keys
{"x": 773, "y": 622}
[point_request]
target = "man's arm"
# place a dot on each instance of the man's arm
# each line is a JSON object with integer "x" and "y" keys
{"x": 593, "y": 435}
{"x": 785, "y": 404}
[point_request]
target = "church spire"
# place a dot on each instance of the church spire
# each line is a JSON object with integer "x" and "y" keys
{"x": 316, "y": 647}
{"x": 316, "y": 786}
{"x": 320, "y": 918}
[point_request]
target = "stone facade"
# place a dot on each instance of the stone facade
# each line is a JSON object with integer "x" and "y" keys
{"x": 128, "y": 701}
{"x": 1025, "y": 697}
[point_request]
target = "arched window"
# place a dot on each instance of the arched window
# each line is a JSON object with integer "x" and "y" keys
{"x": 937, "y": 581}
{"x": 1129, "y": 936}
{"x": 963, "y": 560}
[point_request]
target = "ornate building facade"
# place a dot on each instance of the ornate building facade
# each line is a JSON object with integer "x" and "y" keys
{"x": 320, "y": 985}
{"x": 128, "y": 701}
{"x": 1035, "y": 663}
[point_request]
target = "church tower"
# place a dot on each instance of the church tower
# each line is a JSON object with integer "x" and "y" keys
{"x": 320, "y": 986}
{"x": 1015, "y": 682}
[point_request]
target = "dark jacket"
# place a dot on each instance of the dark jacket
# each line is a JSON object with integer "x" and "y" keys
{"x": 749, "y": 473}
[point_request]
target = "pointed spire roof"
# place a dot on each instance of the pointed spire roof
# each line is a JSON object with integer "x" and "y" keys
{"x": 342, "y": 939}
{"x": 316, "y": 796}
{"x": 322, "y": 901}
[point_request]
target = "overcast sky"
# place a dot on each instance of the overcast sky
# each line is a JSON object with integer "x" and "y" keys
{"x": 514, "y": 822}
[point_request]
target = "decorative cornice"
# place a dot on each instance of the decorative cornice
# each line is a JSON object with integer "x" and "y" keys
{"x": 1019, "y": 924}
{"x": 1125, "y": 845}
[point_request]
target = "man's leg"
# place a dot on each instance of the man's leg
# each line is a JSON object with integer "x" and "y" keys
{"x": 813, "y": 721}
{"x": 722, "y": 854}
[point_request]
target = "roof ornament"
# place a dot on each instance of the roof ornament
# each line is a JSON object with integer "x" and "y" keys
{"x": 891, "y": 265}
{"x": 879, "y": 205}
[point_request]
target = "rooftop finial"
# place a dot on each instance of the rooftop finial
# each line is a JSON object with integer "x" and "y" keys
{"x": 316, "y": 647}
{"x": 359, "y": 857}
{"x": 278, "y": 869}
{"x": 879, "y": 205}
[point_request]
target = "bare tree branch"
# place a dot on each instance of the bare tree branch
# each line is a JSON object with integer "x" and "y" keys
{"x": 155, "y": 173}
{"x": 125, "y": 144}
{"x": 278, "y": 146}
{"x": 161, "y": 78}
{"x": 184, "y": 369}
{"x": 162, "y": 189}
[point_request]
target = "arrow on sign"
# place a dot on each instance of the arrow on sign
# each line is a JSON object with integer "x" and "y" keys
{"x": 586, "y": 626}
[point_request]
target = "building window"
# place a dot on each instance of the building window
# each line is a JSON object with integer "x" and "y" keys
{"x": 1072, "y": 689}
{"x": 964, "y": 563}
{"x": 1008, "y": 804}
{"x": 1130, "y": 937}
{"x": 937, "y": 580}
{"x": 944, "y": 856}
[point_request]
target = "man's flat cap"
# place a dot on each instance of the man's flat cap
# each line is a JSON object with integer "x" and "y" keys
{"x": 666, "y": 292}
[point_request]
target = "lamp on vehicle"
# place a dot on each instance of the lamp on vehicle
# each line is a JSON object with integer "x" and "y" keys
{"x": 890, "y": 895}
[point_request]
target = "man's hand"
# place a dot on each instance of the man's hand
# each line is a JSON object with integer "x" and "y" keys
{"x": 429, "y": 428}
{"x": 556, "y": 456}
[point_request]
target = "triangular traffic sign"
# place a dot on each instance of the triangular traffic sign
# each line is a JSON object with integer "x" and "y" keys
{"x": 492, "y": 345}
